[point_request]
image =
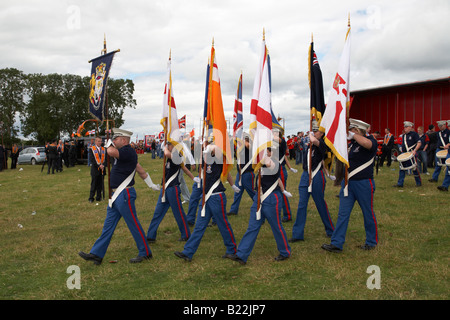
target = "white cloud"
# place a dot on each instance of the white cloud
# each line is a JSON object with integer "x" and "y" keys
{"x": 392, "y": 42}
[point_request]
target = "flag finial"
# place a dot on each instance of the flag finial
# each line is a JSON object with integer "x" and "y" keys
{"x": 264, "y": 34}
{"x": 170, "y": 54}
{"x": 104, "y": 44}
{"x": 349, "y": 19}
{"x": 213, "y": 42}
{"x": 312, "y": 37}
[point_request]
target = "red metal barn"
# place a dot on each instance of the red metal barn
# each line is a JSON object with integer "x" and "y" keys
{"x": 422, "y": 103}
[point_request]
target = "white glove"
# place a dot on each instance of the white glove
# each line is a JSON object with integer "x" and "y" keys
{"x": 236, "y": 188}
{"x": 109, "y": 143}
{"x": 208, "y": 149}
{"x": 287, "y": 194}
{"x": 350, "y": 135}
{"x": 150, "y": 183}
{"x": 331, "y": 177}
{"x": 197, "y": 180}
{"x": 294, "y": 170}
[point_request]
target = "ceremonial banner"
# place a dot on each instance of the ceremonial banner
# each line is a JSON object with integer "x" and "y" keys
{"x": 238, "y": 120}
{"x": 169, "y": 118}
{"x": 317, "y": 102}
{"x": 261, "y": 116}
{"x": 216, "y": 117}
{"x": 334, "y": 120}
{"x": 98, "y": 83}
{"x": 182, "y": 122}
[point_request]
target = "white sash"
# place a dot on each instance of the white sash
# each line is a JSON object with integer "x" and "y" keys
{"x": 442, "y": 140}
{"x": 242, "y": 172}
{"x": 359, "y": 169}
{"x": 122, "y": 186}
{"x": 163, "y": 199}
{"x": 211, "y": 190}
{"x": 314, "y": 172}
{"x": 263, "y": 197}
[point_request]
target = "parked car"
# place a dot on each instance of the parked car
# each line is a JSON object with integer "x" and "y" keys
{"x": 32, "y": 155}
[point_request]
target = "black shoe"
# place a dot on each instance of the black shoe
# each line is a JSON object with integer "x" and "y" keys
{"x": 432, "y": 180}
{"x": 397, "y": 186}
{"x": 139, "y": 259}
{"x": 286, "y": 220}
{"x": 418, "y": 185}
{"x": 234, "y": 257}
{"x": 151, "y": 240}
{"x": 228, "y": 256}
{"x": 183, "y": 239}
{"x": 367, "y": 247}
{"x": 331, "y": 248}
{"x": 280, "y": 257}
{"x": 90, "y": 257}
{"x": 91, "y": 200}
{"x": 191, "y": 224}
{"x": 292, "y": 240}
{"x": 442, "y": 188}
{"x": 182, "y": 256}
{"x": 231, "y": 214}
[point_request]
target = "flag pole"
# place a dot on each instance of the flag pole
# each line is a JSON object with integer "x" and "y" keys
{"x": 347, "y": 124}
{"x": 169, "y": 94}
{"x": 310, "y": 113}
{"x": 258, "y": 208}
{"x": 108, "y": 160}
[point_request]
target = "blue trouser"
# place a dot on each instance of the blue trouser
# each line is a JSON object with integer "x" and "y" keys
{"x": 423, "y": 161}
{"x": 247, "y": 184}
{"x": 361, "y": 191}
{"x": 216, "y": 208}
{"x": 437, "y": 168}
{"x": 446, "y": 182}
{"x": 124, "y": 207}
{"x": 318, "y": 193}
{"x": 285, "y": 202}
{"x": 402, "y": 174}
{"x": 270, "y": 210}
{"x": 173, "y": 200}
{"x": 196, "y": 196}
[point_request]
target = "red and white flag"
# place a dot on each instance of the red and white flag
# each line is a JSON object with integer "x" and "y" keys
{"x": 334, "y": 120}
{"x": 169, "y": 118}
{"x": 260, "y": 110}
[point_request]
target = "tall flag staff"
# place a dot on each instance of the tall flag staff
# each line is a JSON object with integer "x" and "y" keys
{"x": 216, "y": 119}
{"x": 334, "y": 121}
{"x": 202, "y": 163}
{"x": 317, "y": 102}
{"x": 238, "y": 125}
{"x": 98, "y": 97}
{"x": 261, "y": 116}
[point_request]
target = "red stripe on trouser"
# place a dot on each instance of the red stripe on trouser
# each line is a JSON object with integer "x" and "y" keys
{"x": 226, "y": 224}
{"x": 279, "y": 227}
{"x": 373, "y": 213}
{"x": 135, "y": 222}
{"x": 181, "y": 214}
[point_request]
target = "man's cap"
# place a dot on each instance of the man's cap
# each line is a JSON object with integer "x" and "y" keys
{"x": 355, "y": 123}
{"x": 441, "y": 123}
{"x": 408, "y": 124}
{"x": 121, "y": 133}
{"x": 315, "y": 125}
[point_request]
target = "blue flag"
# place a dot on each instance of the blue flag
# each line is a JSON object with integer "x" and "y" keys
{"x": 98, "y": 83}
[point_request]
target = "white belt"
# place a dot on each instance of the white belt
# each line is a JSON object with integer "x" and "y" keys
{"x": 242, "y": 172}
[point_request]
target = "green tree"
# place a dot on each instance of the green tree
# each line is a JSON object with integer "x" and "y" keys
{"x": 12, "y": 88}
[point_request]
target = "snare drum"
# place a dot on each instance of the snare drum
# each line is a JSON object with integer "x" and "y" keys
{"x": 440, "y": 157}
{"x": 407, "y": 161}
{"x": 447, "y": 163}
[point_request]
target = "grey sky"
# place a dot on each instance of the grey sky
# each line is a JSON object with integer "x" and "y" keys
{"x": 392, "y": 42}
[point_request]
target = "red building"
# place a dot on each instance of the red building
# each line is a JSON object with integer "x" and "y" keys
{"x": 422, "y": 103}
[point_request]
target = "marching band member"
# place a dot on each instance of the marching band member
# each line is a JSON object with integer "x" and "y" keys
{"x": 361, "y": 188}
{"x": 271, "y": 186}
{"x": 97, "y": 155}
{"x": 318, "y": 154}
{"x": 443, "y": 138}
{"x": 410, "y": 143}
{"x": 172, "y": 195}
{"x": 122, "y": 203}
{"x": 214, "y": 206}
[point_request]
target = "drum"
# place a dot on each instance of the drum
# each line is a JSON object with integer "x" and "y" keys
{"x": 447, "y": 163}
{"x": 407, "y": 161}
{"x": 440, "y": 157}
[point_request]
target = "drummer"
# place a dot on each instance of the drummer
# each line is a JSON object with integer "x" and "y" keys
{"x": 410, "y": 143}
{"x": 443, "y": 140}
{"x": 446, "y": 182}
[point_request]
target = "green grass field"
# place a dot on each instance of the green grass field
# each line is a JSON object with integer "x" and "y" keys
{"x": 58, "y": 221}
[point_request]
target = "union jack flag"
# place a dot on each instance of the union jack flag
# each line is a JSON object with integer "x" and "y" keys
{"x": 238, "y": 120}
{"x": 182, "y": 122}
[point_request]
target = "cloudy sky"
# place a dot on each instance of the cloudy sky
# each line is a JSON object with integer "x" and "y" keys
{"x": 392, "y": 42}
